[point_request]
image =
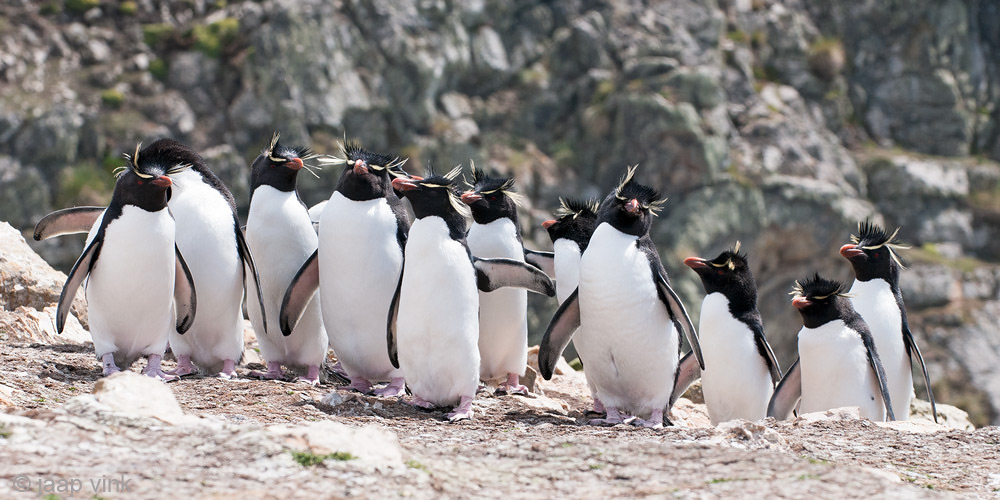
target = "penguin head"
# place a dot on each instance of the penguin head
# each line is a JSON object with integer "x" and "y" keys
{"x": 492, "y": 198}
{"x": 144, "y": 181}
{"x": 367, "y": 175}
{"x": 278, "y": 166}
{"x": 873, "y": 253}
{"x": 433, "y": 195}
{"x": 630, "y": 208}
{"x": 574, "y": 220}
{"x": 729, "y": 274}
{"x": 820, "y": 300}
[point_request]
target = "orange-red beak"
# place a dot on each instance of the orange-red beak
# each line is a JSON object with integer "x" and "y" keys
{"x": 401, "y": 184}
{"x": 695, "y": 263}
{"x": 549, "y": 223}
{"x": 360, "y": 167}
{"x": 162, "y": 181}
{"x": 632, "y": 206}
{"x": 800, "y": 302}
{"x": 851, "y": 251}
{"x": 470, "y": 197}
{"x": 294, "y": 163}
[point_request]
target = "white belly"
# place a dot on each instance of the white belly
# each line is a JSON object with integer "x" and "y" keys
{"x": 736, "y": 381}
{"x": 360, "y": 261}
{"x": 437, "y": 324}
{"x": 836, "y": 372}
{"x": 130, "y": 288}
{"x": 207, "y": 240}
{"x": 503, "y": 313}
{"x": 875, "y": 303}
{"x": 567, "y": 264}
{"x": 627, "y": 343}
{"x": 281, "y": 238}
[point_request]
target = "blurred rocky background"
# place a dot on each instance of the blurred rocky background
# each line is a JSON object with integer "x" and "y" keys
{"x": 780, "y": 124}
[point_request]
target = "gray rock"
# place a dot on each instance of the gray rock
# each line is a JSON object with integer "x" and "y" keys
{"x": 49, "y": 141}
{"x": 24, "y": 193}
{"x": 925, "y": 286}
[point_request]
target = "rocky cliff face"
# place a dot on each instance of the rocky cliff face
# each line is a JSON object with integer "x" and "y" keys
{"x": 780, "y": 124}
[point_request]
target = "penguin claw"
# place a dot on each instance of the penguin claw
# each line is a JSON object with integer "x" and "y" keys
{"x": 513, "y": 389}
{"x": 311, "y": 381}
{"x": 153, "y": 370}
{"x": 395, "y": 389}
{"x": 463, "y": 411}
{"x": 422, "y": 403}
{"x": 612, "y": 418}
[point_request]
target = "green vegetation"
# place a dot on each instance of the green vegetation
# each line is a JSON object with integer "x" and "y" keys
{"x": 81, "y": 6}
{"x": 128, "y": 8}
{"x": 84, "y": 184}
{"x": 576, "y": 364}
{"x": 929, "y": 253}
{"x": 112, "y": 98}
{"x": 50, "y": 8}
{"x": 158, "y": 68}
{"x": 413, "y": 464}
{"x": 310, "y": 459}
{"x": 212, "y": 39}
{"x": 154, "y": 34}
{"x": 739, "y": 37}
{"x": 4, "y": 431}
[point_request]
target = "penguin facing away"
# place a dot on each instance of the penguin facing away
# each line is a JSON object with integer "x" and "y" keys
{"x": 740, "y": 367}
{"x": 503, "y": 314}
{"x": 280, "y": 234}
{"x": 876, "y": 296}
{"x": 433, "y": 321}
{"x": 628, "y": 316}
{"x": 838, "y": 363}
{"x": 362, "y": 233}
{"x": 138, "y": 286}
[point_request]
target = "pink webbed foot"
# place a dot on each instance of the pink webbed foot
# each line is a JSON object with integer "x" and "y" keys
{"x": 153, "y": 369}
{"x": 312, "y": 375}
{"x": 655, "y": 420}
{"x": 108, "y": 364}
{"x": 422, "y": 403}
{"x": 338, "y": 368}
{"x": 612, "y": 418}
{"x": 598, "y": 405}
{"x": 463, "y": 411}
{"x": 228, "y": 370}
{"x": 184, "y": 366}
{"x": 395, "y": 389}
{"x": 273, "y": 372}
{"x": 360, "y": 384}
{"x": 513, "y": 385}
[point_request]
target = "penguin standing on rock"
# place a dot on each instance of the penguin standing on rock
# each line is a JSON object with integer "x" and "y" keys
{"x": 503, "y": 314}
{"x": 433, "y": 322}
{"x": 362, "y": 233}
{"x": 629, "y": 317}
{"x": 838, "y": 364}
{"x": 138, "y": 286}
{"x": 281, "y": 236}
{"x": 740, "y": 368}
{"x": 876, "y": 296}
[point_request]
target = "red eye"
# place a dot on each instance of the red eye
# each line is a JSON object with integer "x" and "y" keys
{"x": 493, "y": 197}
{"x": 875, "y": 254}
{"x": 721, "y": 272}
{"x": 140, "y": 182}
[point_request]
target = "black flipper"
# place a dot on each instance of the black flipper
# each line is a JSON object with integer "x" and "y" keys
{"x": 786, "y": 396}
{"x": 876, "y": 364}
{"x": 558, "y": 334}
{"x": 492, "y": 274}
{"x": 76, "y": 276}
{"x": 244, "y": 250}
{"x": 546, "y": 261}
{"x": 390, "y": 326}
{"x": 67, "y": 221}
{"x": 185, "y": 300}
{"x": 764, "y": 348}
{"x": 677, "y": 311}
{"x": 300, "y": 291}
{"x": 911, "y": 348}
{"x": 687, "y": 372}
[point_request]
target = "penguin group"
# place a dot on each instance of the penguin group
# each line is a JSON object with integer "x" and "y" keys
{"x": 436, "y": 307}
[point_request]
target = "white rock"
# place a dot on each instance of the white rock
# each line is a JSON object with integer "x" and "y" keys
{"x": 134, "y": 394}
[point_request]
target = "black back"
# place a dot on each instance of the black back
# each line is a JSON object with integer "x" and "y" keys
{"x": 575, "y": 221}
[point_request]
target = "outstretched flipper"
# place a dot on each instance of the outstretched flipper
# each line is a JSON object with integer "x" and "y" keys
{"x": 557, "y": 336}
{"x": 688, "y": 371}
{"x": 67, "y": 221}
{"x": 185, "y": 300}
{"x": 76, "y": 276}
{"x": 546, "y": 261}
{"x": 244, "y": 250}
{"x": 492, "y": 274}
{"x": 390, "y": 327}
{"x": 677, "y": 311}
{"x": 786, "y": 396}
{"x": 300, "y": 291}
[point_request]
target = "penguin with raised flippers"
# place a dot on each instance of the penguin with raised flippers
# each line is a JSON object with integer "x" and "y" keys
{"x": 433, "y": 321}
{"x": 362, "y": 234}
{"x": 629, "y": 317}
{"x": 740, "y": 368}
{"x": 138, "y": 286}
{"x": 838, "y": 363}
{"x": 281, "y": 237}
{"x": 876, "y": 296}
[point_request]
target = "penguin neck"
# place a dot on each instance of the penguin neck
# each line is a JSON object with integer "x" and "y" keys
{"x": 455, "y": 222}
{"x": 890, "y": 274}
{"x": 364, "y": 187}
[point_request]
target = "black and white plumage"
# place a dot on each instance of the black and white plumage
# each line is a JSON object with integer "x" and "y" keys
{"x": 877, "y": 297}
{"x": 433, "y": 321}
{"x": 138, "y": 286}
{"x": 629, "y": 317}
{"x": 839, "y": 364}
{"x": 281, "y": 236}
{"x": 570, "y": 233}
{"x": 740, "y": 367}
{"x": 362, "y": 233}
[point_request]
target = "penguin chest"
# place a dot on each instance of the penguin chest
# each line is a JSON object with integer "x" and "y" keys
{"x": 626, "y": 339}
{"x": 875, "y": 302}
{"x": 836, "y": 372}
{"x": 359, "y": 262}
{"x": 437, "y": 321}
{"x": 567, "y": 265}
{"x": 503, "y": 313}
{"x": 736, "y": 381}
{"x": 130, "y": 288}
